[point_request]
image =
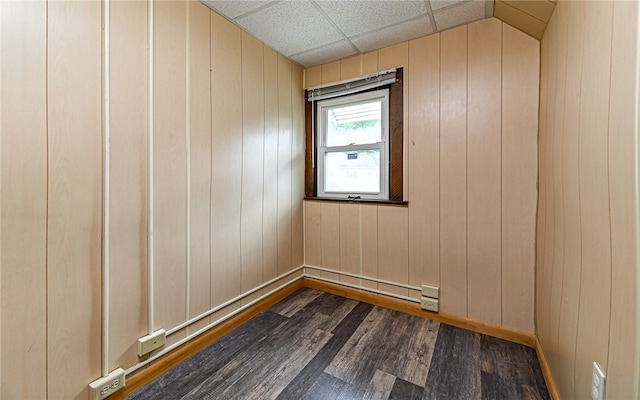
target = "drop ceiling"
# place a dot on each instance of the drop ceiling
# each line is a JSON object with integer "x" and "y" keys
{"x": 313, "y": 32}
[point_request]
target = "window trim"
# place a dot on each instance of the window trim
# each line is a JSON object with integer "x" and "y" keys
{"x": 396, "y": 146}
{"x": 382, "y": 146}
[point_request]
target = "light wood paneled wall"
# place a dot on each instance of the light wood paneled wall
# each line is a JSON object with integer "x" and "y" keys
{"x": 587, "y": 264}
{"x": 228, "y": 174}
{"x": 470, "y": 145}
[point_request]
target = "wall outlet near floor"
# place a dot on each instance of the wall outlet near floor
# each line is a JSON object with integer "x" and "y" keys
{"x": 151, "y": 342}
{"x": 429, "y": 304}
{"x": 597, "y": 383}
{"x": 431, "y": 291}
{"x": 107, "y": 385}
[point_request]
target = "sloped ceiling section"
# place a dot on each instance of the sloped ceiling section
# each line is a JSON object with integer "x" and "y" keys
{"x": 314, "y": 32}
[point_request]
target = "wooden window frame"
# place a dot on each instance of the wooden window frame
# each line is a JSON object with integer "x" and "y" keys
{"x": 396, "y": 145}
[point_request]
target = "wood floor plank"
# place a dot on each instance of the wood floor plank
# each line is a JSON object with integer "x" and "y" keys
{"x": 403, "y": 390}
{"x": 380, "y": 386}
{"x": 455, "y": 368}
{"x": 330, "y": 387}
{"x": 315, "y": 345}
{"x": 295, "y": 302}
{"x": 315, "y": 368}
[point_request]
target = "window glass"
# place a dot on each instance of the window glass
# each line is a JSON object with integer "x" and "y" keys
{"x": 352, "y": 171}
{"x": 358, "y": 123}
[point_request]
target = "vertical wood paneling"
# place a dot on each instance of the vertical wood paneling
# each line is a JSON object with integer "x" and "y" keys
{"x": 350, "y": 67}
{"x": 285, "y": 139}
{"x": 369, "y": 252}
{"x": 394, "y": 56}
{"x": 200, "y": 159}
{"x": 313, "y": 233}
{"x": 624, "y": 348}
{"x": 129, "y": 89}
{"x": 594, "y": 197}
{"x": 484, "y": 113}
{"x": 330, "y": 72}
{"x": 170, "y": 168}
{"x": 270, "y": 165}
{"x": 313, "y": 76}
{"x": 330, "y": 237}
{"x": 520, "y": 82}
{"x": 252, "y": 161}
{"x": 350, "y": 240}
{"x": 453, "y": 167}
{"x": 369, "y": 62}
{"x": 424, "y": 160}
{"x": 393, "y": 248}
{"x": 297, "y": 167}
{"x": 226, "y": 166}
{"x": 23, "y": 159}
{"x": 74, "y": 197}
{"x": 567, "y": 333}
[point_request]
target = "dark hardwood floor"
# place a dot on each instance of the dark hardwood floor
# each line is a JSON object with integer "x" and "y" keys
{"x": 315, "y": 345}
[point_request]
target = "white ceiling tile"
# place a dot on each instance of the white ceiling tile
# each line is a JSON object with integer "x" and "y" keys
{"x": 234, "y": 8}
{"x": 393, "y": 34}
{"x": 359, "y": 16}
{"x": 290, "y": 27}
{"x": 325, "y": 54}
{"x": 438, "y": 4}
{"x": 462, "y": 14}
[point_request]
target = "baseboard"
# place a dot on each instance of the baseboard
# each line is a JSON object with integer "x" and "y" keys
{"x": 170, "y": 360}
{"x": 511, "y": 335}
{"x": 546, "y": 372}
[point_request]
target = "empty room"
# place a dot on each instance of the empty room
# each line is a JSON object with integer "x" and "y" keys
{"x": 299, "y": 199}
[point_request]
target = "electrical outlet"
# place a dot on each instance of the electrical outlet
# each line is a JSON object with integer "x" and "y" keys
{"x": 597, "y": 383}
{"x": 151, "y": 342}
{"x": 431, "y": 291}
{"x": 108, "y": 385}
{"x": 427, "y": 303}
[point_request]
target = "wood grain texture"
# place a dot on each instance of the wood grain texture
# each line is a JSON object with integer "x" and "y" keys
{"x": 350, "y": 241}
{"x": 624, "y": 348}
{"x": 312, "y": 76}
{"x": 270, "y": 165}
{"x": 484, "y": 170}
{"x": 297, "y": 166}
{"x": 129, "y": 215}
{"x": 523, "y": 21}
{"x": 74, "y": 197}
{"x": 313, "y": 233}
{"x": 520, "y": 78}
{"x": 285, "y": 140}
{"x": 453, "y": 167}
{"x": 351, "y": 67}
{"x": 370, "y": 62}
{"x": 594, "y": 197}
{"x": 200, "y": 163}
{"x": 330, "y": 72}
{"x": 23, "y": 176}
{"x": 423, "y": 129}
{"x": 226, "y": 167}
{"x": 170, "y": 163}
{"x": 253, "y": 127}
{"x": 369, "y": 261}
{"x": 393, "y": 56}
{"x": 393, "y": 253}
{"x": 330, "y": 238}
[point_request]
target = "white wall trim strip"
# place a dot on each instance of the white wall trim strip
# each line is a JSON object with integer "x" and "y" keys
{"x": 366, "y": 278}
{"x": 106, "y": 185}
{"x": 368, "y": 289}
{"x": 150, "y": 164}
{"x": 230, "y": 302}
{"x": 220, "y": 320}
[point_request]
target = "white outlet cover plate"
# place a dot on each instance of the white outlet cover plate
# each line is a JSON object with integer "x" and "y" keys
{"x": 597, "y": 383}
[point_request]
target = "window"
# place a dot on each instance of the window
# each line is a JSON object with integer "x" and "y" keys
{"x": 353, "y": 146}
{"x": 354, "y": 139}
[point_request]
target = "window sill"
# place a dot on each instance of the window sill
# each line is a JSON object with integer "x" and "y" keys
{"x": 365, "y": 201}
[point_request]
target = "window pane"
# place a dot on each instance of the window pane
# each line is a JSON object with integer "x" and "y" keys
{"x": 359, "y": 123}
{"x": 352, "y": 171}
